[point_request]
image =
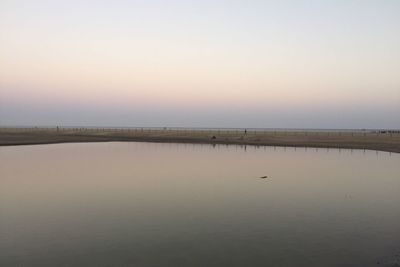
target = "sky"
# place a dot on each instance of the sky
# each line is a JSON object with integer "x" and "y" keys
{"x": 267, "y": 64}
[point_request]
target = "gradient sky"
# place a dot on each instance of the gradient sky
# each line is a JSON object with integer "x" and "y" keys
{"x": 302, "y": 64}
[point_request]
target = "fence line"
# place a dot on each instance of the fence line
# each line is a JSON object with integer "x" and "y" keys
{"x": 213, "y": 131}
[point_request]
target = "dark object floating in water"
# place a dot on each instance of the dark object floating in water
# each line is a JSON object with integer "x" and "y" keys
{"x": 263, "y": 177}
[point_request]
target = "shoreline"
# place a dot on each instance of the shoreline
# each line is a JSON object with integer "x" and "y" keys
{"x": 388, "y": 142}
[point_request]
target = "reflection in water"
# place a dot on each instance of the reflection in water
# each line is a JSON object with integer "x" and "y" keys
{"x": 147, "y": 204}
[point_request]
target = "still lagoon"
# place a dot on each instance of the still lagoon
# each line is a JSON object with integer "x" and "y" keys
{"x": 150, "y": 204}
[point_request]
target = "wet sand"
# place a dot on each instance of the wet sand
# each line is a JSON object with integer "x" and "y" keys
{"x": 389, "y": 142}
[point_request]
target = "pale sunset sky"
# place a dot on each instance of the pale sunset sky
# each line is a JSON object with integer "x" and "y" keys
{"x": 290, "y": 64}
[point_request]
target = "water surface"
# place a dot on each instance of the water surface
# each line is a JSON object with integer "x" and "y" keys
{"x": 146, "y": 204}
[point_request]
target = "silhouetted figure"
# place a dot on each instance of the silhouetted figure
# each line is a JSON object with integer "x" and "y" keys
{"x": 245, "y": 131}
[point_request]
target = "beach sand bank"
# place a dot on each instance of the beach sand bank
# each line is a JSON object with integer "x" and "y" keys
{"x": 382, "y": 141}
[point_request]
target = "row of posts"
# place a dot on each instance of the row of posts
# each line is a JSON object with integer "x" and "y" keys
{"x": 182, "y": 131}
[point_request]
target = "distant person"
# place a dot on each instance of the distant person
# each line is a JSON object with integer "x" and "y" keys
{"x": 245, "y": 131}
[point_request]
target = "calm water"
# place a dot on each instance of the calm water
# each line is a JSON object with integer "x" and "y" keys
{"x": 144, "y": 204}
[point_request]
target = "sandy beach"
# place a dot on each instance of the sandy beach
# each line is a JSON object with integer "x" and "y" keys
{"x": 381, "y": 141}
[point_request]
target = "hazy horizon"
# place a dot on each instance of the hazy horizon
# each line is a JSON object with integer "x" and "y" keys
{"x": 262, "y": 64}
